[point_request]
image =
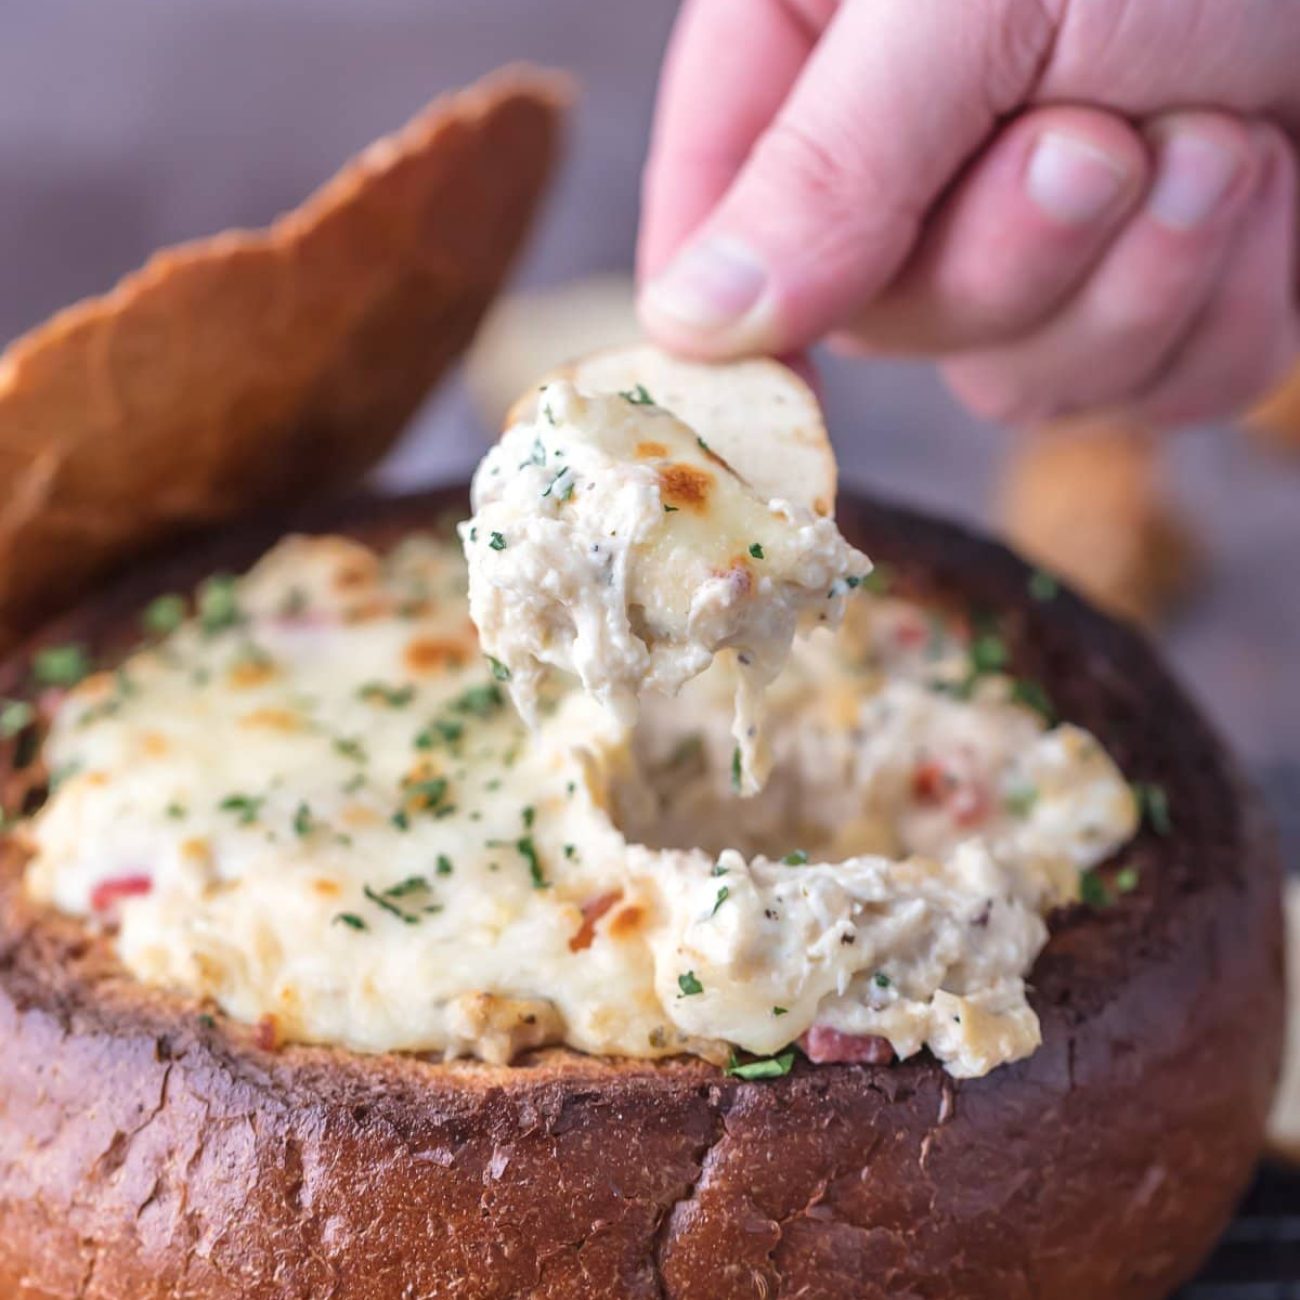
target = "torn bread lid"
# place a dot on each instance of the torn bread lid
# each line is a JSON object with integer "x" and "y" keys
{"x": 611, "y": 539}
{"x": 262, "y": 366}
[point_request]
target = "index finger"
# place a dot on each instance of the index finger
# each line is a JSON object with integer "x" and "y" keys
{"x": 729, "y": 67}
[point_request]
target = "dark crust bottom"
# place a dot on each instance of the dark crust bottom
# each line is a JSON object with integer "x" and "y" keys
{"x": 146, "y": 1152}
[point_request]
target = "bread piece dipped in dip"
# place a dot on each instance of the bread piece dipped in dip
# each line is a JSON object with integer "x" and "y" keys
{"x": 641, "y": 516}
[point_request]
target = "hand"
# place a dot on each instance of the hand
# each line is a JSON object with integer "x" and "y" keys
{"x": 1077, "y": 204}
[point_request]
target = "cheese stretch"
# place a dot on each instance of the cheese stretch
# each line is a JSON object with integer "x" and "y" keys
{"x": 611, "y": 541}
{"x": 312, "y": 801}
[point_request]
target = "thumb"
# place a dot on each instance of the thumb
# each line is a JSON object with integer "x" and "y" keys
{"x": 894, "y": 98}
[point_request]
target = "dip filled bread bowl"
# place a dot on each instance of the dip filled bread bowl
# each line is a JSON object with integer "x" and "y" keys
{"x": 325, "y": 973}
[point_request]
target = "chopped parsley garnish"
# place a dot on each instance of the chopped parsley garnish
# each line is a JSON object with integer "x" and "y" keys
{"x": 689, "y": 985}
{"x": 163, "y": 614}
{"x": 528, "y": 851}
{"x": 565, "y": 492}
{"x": 208, "y": 1021}
{"x": 704, "y": 446}
{"x": 570, "y": 851}
{"x": 1127, "y": 880}
{"x": 988, "y": 653}
{"x": 548, "y": 413}
{"x": 638, "y": 396}
{"x": 1042, "y": 586}
{"x": 529, "y": 816}
{"x": 780, "y": 1011}
{"x": 881, "y": 980}
{"x": 723, "y": 894}
{"x": 767, "y": 1067}
{"x": 756, "y": 550}
{"x": 1020, "y": 800}
{"x": 427, "y": 795}
{"x": 719, "y": 869}
{"x": 499, "y": 670}
{"x": 735, "y": 769}
{"x": 247, "y": 807}
{"x": 176, "y": 811}
{"x": 395, "y": 697}
{"x": 446, "y": 730}
{"x": 497, "y": 542}
{"x": 1032, "y": 695}
{"x": 481, "y": 701}
{"x": 351, "y": 748}
{"x": 60, "y": 665}
{"x": 15, "y": 716}
{"x": 217, "y": 605}
{"x": 1153, "y": 805}
{"x": 380, "y": 901}
{"x": 443, "y": 866}
{"x": 1093, "y": 891}
{"x": 671, "y": 510}
{"x": 411, "y": 885}
{"x": 797, "y": 858}
{"x": 351, "y": 920}
{"x": 302, "y": 822}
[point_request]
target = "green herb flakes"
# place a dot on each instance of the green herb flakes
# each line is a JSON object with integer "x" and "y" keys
{"x": 767, "y": 1067}
{"x": 1043, "y": 586}
{"x": 638, "y": 396}
{"x": 1033, "y": 696}
{"x": 218, "y": 606}
{"x": 723, "y": 894}
{"x": 60, "y": 665}
{"x": 1153, "y": 806}
{"x": 736, "y": 769}
{"x": 528, "y": 851}
{"x": 351, "y": 920}
{"x": 499, "y": 670}
{"x": 443, "y": 865}
{"x": 497, "y": 542}
{"x": 689, "y": 985}
{"x": 797, "y": 858}
{"x": 163, "y": 614}
{"x": 15, "y": 716}
{"x": 1019, "y": 801}
{"x": 396, "y": 697}
{"x": 246, "y": 806}
{"x": 756, "y": 550}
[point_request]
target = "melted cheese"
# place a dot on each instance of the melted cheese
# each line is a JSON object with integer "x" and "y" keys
{"x": 610, "y": 542}
{"x": 315, "y": 805}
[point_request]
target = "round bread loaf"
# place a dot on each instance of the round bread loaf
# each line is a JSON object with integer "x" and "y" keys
{"x": 149, "y": 1148}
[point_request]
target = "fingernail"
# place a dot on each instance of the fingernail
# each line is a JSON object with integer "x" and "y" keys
{"x": 1193, "y": 177}
{"x": 1072, "y": 180}
{"x": 709, "y": 285}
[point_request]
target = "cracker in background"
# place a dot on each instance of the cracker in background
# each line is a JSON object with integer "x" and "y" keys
{"x": 534, "y": 331}
{"x": 1085, "y": 501}
{"x": 260, "y": 366}
{"x": 1276, "y": 420}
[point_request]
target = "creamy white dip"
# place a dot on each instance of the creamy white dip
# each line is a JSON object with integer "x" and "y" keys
{"x": 609, "y": 541}
{"x": 314, "y": 804}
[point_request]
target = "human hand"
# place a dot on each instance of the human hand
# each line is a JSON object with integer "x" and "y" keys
{"x": 1075, "y": 204}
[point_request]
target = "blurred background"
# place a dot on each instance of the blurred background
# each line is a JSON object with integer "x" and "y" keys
{"x": 128, "y": 125}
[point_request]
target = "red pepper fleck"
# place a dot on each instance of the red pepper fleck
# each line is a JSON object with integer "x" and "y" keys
{"x": 592, "y": 911}
{"x": 108, "y": 893}
{"x": 826, "y": 1046}
{"x": 266, "y": 1034}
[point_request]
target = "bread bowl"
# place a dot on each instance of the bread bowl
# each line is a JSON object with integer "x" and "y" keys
{"x": 150, "y": 1145}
